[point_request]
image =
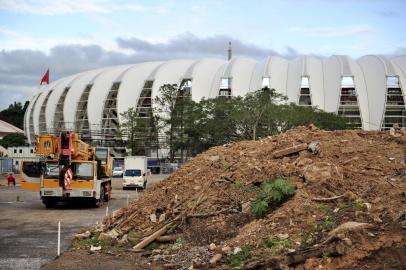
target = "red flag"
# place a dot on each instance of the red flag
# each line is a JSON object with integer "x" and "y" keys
{"x": 45, "y": 78}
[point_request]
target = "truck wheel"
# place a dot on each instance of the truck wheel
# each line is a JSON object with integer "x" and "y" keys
{"x": 108, "y": 190}
{"x": 49, "y": 203}
{"x": 99, "y": 202}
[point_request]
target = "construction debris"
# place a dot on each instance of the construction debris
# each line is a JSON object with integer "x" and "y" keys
{"x": 203, "y": 213}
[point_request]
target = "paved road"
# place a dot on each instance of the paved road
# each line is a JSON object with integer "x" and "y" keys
{"x": 28, "y": 231}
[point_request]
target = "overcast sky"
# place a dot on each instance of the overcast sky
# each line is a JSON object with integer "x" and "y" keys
{"x": 70, "y": 36}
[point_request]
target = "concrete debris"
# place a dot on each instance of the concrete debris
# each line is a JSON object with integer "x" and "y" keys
{"x": 283, "y": 236}
{"x": 123, "y": 240}
{"x": 216, "y": 258}
{"x": 314, "y": 148}
{"x": 318, "y": 172}
{"x": 237, "y": 250}
{"x": 84, "y": 235}
{"x": 153, "y": 218}
{"x": 95, "y": 248}
{"x": 214, "y": 158}
{"x": 109, "y": 236}
{"x": 212, "y": 247}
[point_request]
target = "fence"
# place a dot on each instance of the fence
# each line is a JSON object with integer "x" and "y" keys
{"x": 6, "y": 165}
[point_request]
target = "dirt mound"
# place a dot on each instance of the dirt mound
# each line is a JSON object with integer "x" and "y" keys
{"x": 349, "y": 204}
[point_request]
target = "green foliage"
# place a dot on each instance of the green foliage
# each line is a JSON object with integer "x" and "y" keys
{"x": 134, "y": 237}
{"x": 275, "y": 190}
{"x": 14, "y": 114}
{"x": 260, "y": 207}
{"x": 13, "y": 139}
{"x": 278, "y": 189}
{"x": 238, "y": 260}
{"x": 190, "y": 128}
{"x": 328, "y": 221}
{"x": 278, "y": 245}
{"x": 139, "y": 131}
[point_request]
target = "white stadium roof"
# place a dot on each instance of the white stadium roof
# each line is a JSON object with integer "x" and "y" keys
{"x": 362, "y": 90}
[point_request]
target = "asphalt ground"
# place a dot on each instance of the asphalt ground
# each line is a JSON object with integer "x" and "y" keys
{"x": 28, "y": 231}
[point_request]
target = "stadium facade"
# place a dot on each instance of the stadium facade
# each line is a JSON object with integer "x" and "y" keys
{"x": 369, "y": 91}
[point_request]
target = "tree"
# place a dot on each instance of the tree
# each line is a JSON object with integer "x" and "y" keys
{"x": 139, "y": 132}
{"x": 14, "y": 114}
{"x": 13, "y": 139}
{"x": 256, "y": 108}
{"x": 174, "y": 108}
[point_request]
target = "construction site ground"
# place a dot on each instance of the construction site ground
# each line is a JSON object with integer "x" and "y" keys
{"x": 28, "y": 231}
{"x": 343, "y": 207}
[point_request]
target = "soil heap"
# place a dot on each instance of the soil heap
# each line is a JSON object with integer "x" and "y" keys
{"x": 348, "y": 210}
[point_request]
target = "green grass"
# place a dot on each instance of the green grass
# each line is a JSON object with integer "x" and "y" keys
{"x": 238, "y": 260}
{"x": 356, "y": 206}
{"x": 277, "y": 245}
{"x": 87, "y": 242}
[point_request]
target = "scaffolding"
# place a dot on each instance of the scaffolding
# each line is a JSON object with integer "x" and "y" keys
{"x": 81, "y": 118}
{"x": 395, "y": 112}
{"x": 31, "y": 123}
{"x": 58, "y": 116}
{"x": 42, "y": 115}
{"x": 349, "y": 107}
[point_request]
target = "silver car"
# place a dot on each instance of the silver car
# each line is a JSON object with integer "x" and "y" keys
{"x": 117, "y": 172}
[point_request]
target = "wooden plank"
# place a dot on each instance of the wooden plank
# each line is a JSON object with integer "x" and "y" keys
{"x": 289, "y": 150}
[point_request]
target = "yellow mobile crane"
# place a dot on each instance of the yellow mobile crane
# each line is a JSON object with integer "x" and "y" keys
{"x": 69, "y": 170}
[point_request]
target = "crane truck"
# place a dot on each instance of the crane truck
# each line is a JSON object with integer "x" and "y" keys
{"x": 69, "y": 169}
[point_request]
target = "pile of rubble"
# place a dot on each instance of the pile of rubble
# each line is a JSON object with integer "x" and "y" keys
{"x": 348, "y": 209}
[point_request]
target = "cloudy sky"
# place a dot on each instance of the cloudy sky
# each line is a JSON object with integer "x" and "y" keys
{"x": 70, "y": 36}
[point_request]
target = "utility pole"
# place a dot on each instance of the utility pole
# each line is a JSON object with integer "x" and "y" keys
{"x": 230, "y": 51}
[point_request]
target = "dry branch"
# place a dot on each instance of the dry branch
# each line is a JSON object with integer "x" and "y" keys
{"x": 328, "y": 199}
{"x": 167, "y": 238}
{"x": 350, "y": 226}
{"x": 152, "y": 237}
{"x": 210, "y": 214}
{"x": 298, "y": 257}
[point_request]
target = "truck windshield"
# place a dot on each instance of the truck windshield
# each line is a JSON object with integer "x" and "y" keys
{"x": 82, "y": 171}
{"x": 132, "y": 173}
{"x": 51, "y": 171}
{"x": 101, "y": 154}
{"x": 32, "y": 168}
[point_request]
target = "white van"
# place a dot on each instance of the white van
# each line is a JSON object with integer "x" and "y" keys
{"x": 135, "y": 172}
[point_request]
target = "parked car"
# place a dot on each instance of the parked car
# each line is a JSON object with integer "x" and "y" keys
{"x": 117, "y": 172}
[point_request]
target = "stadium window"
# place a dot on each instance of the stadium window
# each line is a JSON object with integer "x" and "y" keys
{"x": 15, "y": 151}
{"x": 185, "y": 87}
{"x": 392, "y": 81}
{"x": 266, "y": 82}
{"x": 21, "y": 151}
{"x": 304, "y": 96}
{"x": 225, "y": 87}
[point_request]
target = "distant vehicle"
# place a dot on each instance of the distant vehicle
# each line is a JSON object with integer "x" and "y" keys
{"x": 135, "y": 172}
{"x": 118, "y": 172}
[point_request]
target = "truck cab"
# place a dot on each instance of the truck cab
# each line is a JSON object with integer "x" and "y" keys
{"x": 135, "y": 172}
